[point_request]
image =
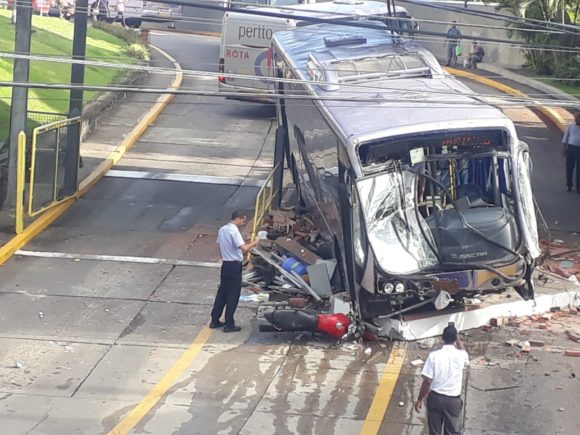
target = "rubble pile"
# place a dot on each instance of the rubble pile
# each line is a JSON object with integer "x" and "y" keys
{"x": 561, "y": 259}
{"x": 547, "y": 332}
{"x": 287, "y": 264}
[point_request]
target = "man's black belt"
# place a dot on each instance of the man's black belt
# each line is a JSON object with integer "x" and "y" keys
{"x": 445, "y": 395}
{"x": 231, "y": 261}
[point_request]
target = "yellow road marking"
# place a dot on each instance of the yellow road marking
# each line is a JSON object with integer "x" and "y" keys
{"x": 384, "y": 392}
{"x": 170, "y": 378}
{"x": 48, "y": 217}
{"x": 554, "y": 116}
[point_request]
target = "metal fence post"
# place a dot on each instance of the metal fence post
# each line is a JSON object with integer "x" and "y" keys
{"x": 20, "y": 182}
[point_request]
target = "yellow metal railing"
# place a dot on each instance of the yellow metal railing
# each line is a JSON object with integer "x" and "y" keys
{"x": 264, "y": 200}
{"x": 53, "y": 137}
{"x": 20, "y": 182}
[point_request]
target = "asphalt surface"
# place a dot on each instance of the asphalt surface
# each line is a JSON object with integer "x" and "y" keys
{"x": 87, "y": 330}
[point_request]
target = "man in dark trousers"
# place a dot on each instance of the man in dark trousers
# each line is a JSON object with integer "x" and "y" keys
{"x": 442, "y": 381}
{"x": 232, "y": 248}
{"x": 452, "y": 41}
{"x": 571, "y": 141}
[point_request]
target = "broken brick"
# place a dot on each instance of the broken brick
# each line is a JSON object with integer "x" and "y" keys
{"x": 511, "y": 342}
{"x": 537, "y": 343}
{"x": 486, "y": 328}
{"x": 525, "y": 346}
{"x": 297, "y": 302}
{"x": 498, "y": 321}
{"x": 572, "y": 352}
{"x": 573, "y": 336}
{"x": 542, "y": 326}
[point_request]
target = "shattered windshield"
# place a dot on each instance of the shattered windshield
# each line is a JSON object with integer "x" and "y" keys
{"x": 444, "y": 206}
{"x": 394, "y": 227}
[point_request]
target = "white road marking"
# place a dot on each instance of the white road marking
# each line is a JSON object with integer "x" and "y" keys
{"x": 117, "y": 258}
{"x": 207, "y": 179}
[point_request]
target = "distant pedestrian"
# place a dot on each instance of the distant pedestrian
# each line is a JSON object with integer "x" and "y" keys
{"x": 442, "y": 382}
{"x": 475, "y": 55}
{"x": 121, "y": 13}
{"x": 452, "y": 41}
{"x": 232, "y": 248}
{"x": 571, "y": 141}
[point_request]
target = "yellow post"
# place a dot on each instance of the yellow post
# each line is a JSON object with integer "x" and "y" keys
{"x": 20, "y": 182}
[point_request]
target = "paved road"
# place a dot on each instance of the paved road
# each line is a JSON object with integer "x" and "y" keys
{"x": 84, "y": 339}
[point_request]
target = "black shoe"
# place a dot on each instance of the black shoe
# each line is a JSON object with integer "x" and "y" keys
{"x": 232, "y": 328}
{"x": 216, "y": 324}
{"x": 569, "y": 189}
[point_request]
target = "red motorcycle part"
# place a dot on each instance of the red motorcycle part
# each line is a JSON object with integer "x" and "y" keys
{"x": 334, "y": 325}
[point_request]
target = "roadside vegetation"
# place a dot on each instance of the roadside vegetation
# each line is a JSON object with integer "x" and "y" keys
{"x": 53, "y": 37}
{"x": 556, "y": 64}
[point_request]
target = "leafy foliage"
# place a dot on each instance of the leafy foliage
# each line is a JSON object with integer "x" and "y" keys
{"x": 547, "y": 61}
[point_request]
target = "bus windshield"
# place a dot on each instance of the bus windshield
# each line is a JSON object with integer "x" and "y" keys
{"x": 441, "y": 206}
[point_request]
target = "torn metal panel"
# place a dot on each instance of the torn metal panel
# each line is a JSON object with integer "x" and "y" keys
{"x": 432, "y": 326}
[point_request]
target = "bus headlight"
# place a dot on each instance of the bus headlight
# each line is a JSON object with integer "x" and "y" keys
{"x": 389, "y": 287}
{"x": 399, "y": 287}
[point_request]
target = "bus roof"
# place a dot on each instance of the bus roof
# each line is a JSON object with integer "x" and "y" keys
{"x": 333, "y": 9}
{"x": 403, "y": 103}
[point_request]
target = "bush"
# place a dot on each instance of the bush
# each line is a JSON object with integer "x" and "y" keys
{"x": 138, "y": 51}
{"x": 135, "y": 46}
{"x": 570, "y": 70}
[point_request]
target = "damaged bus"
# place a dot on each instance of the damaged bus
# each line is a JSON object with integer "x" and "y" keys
{"x": 246, "y": 39}
{"x": 417, "y": 185}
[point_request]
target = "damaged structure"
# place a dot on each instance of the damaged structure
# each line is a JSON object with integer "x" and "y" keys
{"x": 418, "y": 191}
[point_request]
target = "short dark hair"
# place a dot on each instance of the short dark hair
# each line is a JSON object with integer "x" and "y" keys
{"x": 238, "y": 214}
{"x": 449, "y": 334}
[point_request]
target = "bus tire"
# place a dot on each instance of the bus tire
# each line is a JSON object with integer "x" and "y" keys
{"x": 134, "y": 23}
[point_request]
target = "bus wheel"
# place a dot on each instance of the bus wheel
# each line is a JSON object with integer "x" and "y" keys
{"x": 134, "y": 23}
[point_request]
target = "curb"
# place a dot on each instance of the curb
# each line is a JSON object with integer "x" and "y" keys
{"x": 93, "y": 112}
{"x": 47, "y": 218}
{"x": 553, "y": 116}
{"x": 528, "y": 81}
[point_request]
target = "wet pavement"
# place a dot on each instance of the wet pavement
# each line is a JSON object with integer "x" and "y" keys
{"x": 87, "y": 330}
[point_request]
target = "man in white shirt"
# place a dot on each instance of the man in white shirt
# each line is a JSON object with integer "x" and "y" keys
{"x": 232, "y": 248}
{"x": 571, "y": 141}
{"x": 442, "y": 381}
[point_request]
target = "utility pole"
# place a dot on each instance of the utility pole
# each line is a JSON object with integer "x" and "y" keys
{"x": 76, "y": 99}
{"x": 19, "y": 103}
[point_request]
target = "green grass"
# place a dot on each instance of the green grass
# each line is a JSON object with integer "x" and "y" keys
{"x": 569, "y": 89}
{"x": 53, "y": 36}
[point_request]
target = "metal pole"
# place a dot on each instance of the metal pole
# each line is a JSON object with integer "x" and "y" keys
{"x": 21, "y": 182}
{"x": 73, "y": 142}
{"x": 19, "y": 103}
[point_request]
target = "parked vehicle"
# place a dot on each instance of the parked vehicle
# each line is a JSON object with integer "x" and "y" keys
{"x": 130, "y": 12}
{"x": 245, "y": 47}
{"x": 41, "y": 7}
{"x": 417, "y": 186}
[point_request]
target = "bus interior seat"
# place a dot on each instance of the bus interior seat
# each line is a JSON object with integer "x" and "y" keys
{"x": 474, "y": 193}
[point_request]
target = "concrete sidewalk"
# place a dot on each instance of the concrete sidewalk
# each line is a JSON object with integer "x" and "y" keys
{"x": 112, "y": 128}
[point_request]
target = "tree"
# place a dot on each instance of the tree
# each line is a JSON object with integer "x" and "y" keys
{"x": 550, "y": 11}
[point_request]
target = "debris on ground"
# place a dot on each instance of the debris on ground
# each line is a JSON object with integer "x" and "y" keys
{"x": 418, "y": 362}
{"x": 572, "y": 352}
{"x": 561, "y": 259}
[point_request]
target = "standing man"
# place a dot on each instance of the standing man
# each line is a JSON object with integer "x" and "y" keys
{"x": 442, "y": 381}
{"x": 571, "y": 141}
{"x": 121, "y": 12}
{"x": 453, "y": 36}
{"x": 232, "y": 248}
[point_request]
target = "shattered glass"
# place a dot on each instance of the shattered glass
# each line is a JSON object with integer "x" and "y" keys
{"x": 393, "y": 225}
{"x": 530, "y": 227}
